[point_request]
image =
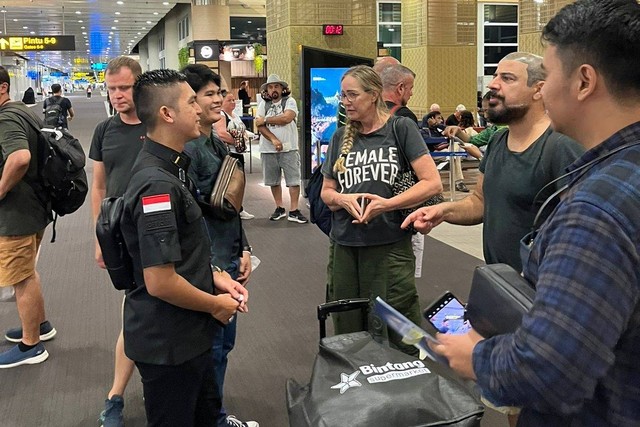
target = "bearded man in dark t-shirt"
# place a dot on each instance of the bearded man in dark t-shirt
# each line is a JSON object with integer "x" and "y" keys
{"x": 518, "y": 163}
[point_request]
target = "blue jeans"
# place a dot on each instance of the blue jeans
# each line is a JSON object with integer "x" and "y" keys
{"x": 223, "y": 343}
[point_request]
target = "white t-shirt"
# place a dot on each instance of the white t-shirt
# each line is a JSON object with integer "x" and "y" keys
{"x": 287, "y": 134}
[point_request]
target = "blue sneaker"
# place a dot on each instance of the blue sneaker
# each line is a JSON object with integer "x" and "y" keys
{"x": 112, "y": 414}
{"x": 14, "y": 357}
{"x": 46, "y": 333}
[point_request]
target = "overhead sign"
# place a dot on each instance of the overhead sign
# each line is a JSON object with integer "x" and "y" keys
{"x": 37, "y": 43}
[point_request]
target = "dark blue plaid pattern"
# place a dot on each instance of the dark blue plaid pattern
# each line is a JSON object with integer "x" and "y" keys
{"x": 575, "y": 361}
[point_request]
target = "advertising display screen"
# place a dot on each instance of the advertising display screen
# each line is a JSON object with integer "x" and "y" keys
{"x": 325, "y": 101}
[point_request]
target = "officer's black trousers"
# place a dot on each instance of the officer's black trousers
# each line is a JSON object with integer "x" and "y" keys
{"x": 184, "y": 395}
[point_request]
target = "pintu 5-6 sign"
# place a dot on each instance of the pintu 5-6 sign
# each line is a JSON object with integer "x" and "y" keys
{"x": 37, "y": 43}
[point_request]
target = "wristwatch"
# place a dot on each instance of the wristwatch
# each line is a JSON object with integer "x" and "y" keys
{"x": 247, "y": 248}
{"x": 216, "y": 268}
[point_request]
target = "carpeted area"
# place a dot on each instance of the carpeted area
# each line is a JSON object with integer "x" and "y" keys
{"x": 277, "y": 339}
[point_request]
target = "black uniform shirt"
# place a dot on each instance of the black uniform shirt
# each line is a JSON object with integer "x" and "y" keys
{"x": 163, "y": 224}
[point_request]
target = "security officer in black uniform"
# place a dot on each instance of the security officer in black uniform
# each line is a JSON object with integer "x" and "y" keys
{"x": 172, "y": 315}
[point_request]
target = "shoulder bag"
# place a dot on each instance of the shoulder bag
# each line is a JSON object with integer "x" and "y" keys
{"x": 228, "y": 190}
{"x": 407, "y": 178}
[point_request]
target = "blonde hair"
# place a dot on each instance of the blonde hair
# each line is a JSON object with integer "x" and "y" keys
{"x": 370, "y": 82}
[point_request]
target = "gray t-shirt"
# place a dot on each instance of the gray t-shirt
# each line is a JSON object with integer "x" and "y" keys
{"x": 372, "y": 165}
{"x": 511, "y": 182}
{"x": 117, "y": 145}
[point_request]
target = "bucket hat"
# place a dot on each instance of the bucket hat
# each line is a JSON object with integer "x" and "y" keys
{"x": 274, "y": 78}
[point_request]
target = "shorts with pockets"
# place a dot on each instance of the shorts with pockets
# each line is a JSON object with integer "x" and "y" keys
{"x": 18, "y": 257}
{"x": 287, "y": 162}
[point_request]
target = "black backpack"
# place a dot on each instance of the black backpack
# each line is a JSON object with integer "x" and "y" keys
{"x": 115, "y": 254}
{"x": 53, "y": 113}
{"x": 62, "y": 183}
{"x": 319, "y": 212}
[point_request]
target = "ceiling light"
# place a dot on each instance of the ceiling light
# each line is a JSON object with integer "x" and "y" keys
{"x": 139, "y": 33}
{"x": 144, "y": 28}
{"x": 249, "y": 22}
{"x": 80, "y": 21}
{"x": 166, "y": 3}
{"x": 32, "y": 32}
{"x": 113, "y": 28}
{"x": 116, "y": 21}
{"x": 15, "y": 20}
{"x": 110, "y": 32}
{"x": 78, "y": 12}
{"x": 84, "y": 33}
{"x": 233, "y": 28}
{"x": 120, "y": 2}
{"x": 25, "y": 28}
{"x": 82, "y": 28}
{"x": 117, "y": 13}
{"x": 155, "y": 13}
{"x": 148, "y": 22}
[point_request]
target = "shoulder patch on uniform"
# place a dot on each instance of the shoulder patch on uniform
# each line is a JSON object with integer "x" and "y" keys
{"x": 156, "y": 203}
{"x": 159, "y": 221}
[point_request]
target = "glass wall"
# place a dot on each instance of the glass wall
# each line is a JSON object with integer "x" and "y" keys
{"x": 498, "y": 26}
{"x": 390, "y": 27}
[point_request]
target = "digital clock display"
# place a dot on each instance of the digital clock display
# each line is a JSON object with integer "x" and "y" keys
{"x": 332, "y": 30}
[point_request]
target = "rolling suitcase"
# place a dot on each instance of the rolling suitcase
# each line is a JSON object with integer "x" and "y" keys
{"x": 359, "y": 382}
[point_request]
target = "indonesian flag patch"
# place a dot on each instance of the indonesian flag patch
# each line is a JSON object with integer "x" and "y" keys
{"x": 157, "y": 203}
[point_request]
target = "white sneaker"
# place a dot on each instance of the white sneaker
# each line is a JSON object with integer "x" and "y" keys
{"x": 232, "y": 421}
{"x": 246, "y": 215}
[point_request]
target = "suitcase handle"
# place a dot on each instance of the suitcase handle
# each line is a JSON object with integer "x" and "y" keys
{"x": 338, "y": 306}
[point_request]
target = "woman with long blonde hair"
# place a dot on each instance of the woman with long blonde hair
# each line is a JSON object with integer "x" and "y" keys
{"x": 370, "y": 255}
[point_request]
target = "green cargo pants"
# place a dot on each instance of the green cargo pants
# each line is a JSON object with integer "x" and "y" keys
{"x": 370, "y": 271}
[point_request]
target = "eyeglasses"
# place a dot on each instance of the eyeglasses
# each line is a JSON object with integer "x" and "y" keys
{"x": 350, "y": 96}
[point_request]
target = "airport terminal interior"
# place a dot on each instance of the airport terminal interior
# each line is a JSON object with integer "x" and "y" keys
{"x": 453, "y": 46}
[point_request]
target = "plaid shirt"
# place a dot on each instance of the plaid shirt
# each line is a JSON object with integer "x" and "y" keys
{"x": 575, "y": 360}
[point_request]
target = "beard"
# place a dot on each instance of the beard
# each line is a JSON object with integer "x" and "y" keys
{"x": 274, "y": 95}
{"x": 507, "y": 114}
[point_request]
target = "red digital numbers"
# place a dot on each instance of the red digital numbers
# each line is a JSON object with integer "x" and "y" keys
{"x": 332, "y": 30}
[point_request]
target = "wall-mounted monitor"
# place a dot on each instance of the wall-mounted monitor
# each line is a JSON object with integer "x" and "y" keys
{"x": 236, "y": 50}
{"x": 321, "y": 71}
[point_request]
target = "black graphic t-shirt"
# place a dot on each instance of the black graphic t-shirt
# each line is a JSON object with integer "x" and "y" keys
{"x": 372, "y": 166}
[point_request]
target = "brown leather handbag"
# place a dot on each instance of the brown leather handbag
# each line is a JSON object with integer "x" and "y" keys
{"x": 228, "y": 190}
